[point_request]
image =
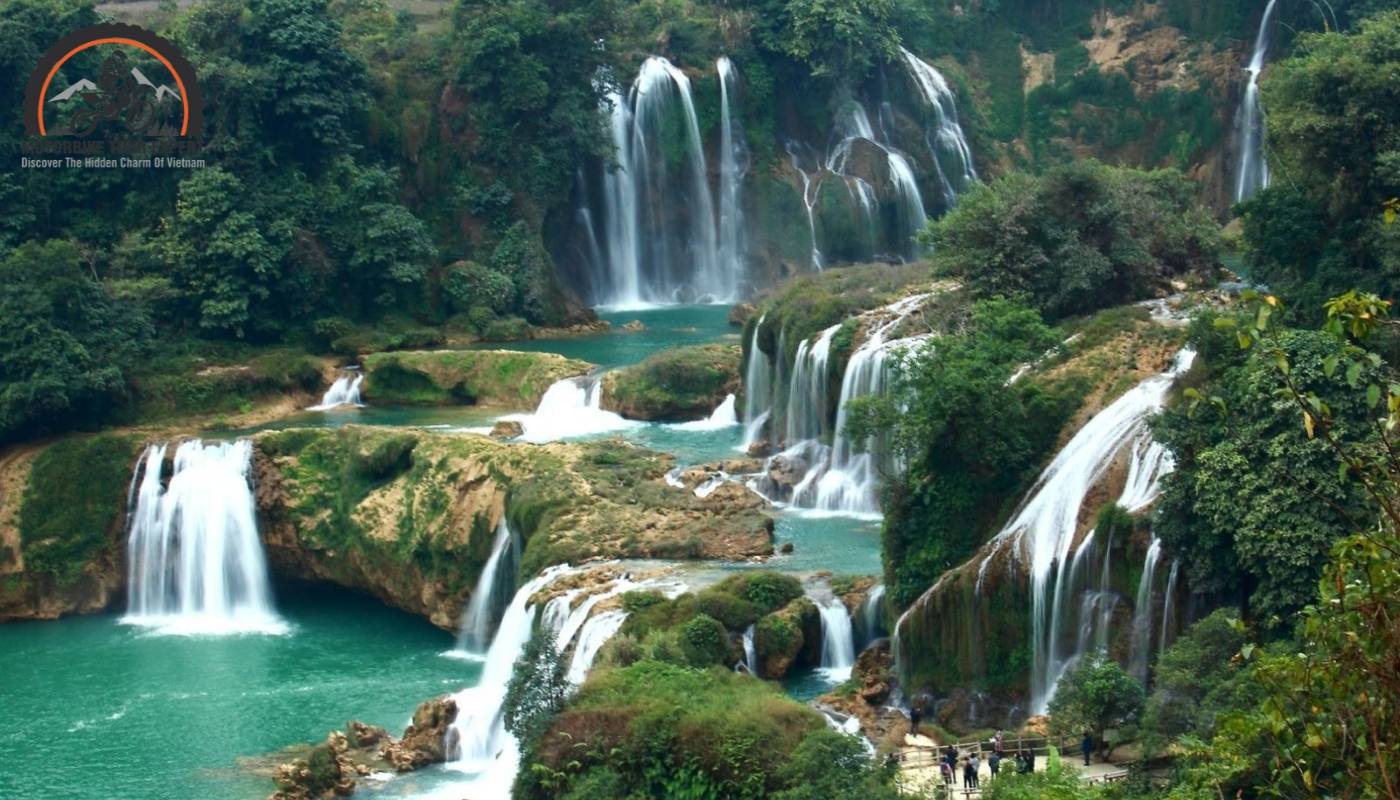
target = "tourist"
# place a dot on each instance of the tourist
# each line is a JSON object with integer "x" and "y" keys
{"x": 1023, "y": 764}
{"x": 975, "y": 765}
{"x": 998, "y": 745}
{"x": 969, "y": 774}
{"x": 1087, "y": 746}
{"x": 994, "y": 763}
{"x": 947, "y": 772}
{"x": 913, "y": 720}
{"x": 1030, "y": 761}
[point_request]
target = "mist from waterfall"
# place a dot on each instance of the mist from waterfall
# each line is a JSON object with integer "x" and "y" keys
{"x": 195, "y": 563}
{"x": 1252, "y": 173}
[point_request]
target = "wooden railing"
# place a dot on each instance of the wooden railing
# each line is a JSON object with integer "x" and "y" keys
{"x": 1040, "y": 745}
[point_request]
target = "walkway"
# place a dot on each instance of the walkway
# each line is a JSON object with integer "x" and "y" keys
{"x": 920, "y": 769}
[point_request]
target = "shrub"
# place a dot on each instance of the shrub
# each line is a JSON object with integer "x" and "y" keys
{"x": 733, "y": 612}
{"x": 704, "y": 641}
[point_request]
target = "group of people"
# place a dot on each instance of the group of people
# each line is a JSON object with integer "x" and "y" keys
{"x": 970, "y": 767}
{"x": 951, "y": 762}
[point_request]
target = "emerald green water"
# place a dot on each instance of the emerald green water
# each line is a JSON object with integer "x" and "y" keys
{"x": 96, "y": 709}
{"x": 672, "y": 326}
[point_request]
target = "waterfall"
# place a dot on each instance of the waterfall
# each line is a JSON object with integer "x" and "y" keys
{"x": 854, "y": 124}
{"x": 724, "y": 416}
{"x": 809, "y": 201}
{"x": 758, "y": 391}
{"x": 947, "y": 144}
{"x": 733, "y": 164}
{"x": 569, "y": 408}
{"x": 1142, "y": 613}
{"x": 492, "y": 592}
{"x": 838, "y": 639}
{"x": 807, "y": 398}
{"x": 1253, "y": 166}
{"x": 478, "y": 741}
{"x": 1169, "y": 607}
{"x": 595, "y": 633}
{"x": 660, "y": 241}
{"x": 194, "y": 560}
{"x": 1043, "y": 529}
{"x": 345, "y": 391}
{"x": 750, "y": 652}
{"x": 873, "y": 612}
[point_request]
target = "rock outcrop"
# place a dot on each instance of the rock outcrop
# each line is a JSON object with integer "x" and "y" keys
{"x": 678, "y": 385}
{"x": 500, "y": 378}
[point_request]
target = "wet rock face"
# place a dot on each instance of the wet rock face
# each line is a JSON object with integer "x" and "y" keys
{"x": 507, "y": 429}
{"x": 424, "y": 741}
{"x": 328, "y": 770}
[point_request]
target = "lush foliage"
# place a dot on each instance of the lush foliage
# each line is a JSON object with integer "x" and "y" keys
{"x": 1095, "y": 695}
{"x": 537, "y": 688}
{"x": 1197, "y": 678}
{"x": 1081, "y": 237}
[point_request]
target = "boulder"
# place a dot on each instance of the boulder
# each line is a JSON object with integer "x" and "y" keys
{"x": 678, "y": 385}
{"x": 507, "y": 429}
{"x": 424, "y": 740}
{"x": 740, "y": 313}
{"x": 503, "y": 378}
{"x": 635, "y": 326}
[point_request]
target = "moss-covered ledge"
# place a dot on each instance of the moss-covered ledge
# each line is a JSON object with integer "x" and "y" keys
{"x": 677, "y": 385}
{"x": 504, "y": 378}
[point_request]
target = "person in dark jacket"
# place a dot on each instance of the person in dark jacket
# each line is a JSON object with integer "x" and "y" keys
{"x": 994, "y": 763}
{"x": 1087, "y": 746}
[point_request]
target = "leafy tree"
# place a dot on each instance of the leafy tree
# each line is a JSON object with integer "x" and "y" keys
{"x": 65, "y": 345}
{"x": 1055, "y": 782}
{"x": 827, "y": 765}
{"x": 537, "y": 688}
{"x": 836, "y": 39}
{"x": 1196, "y": 678}
{"x": 1095, "y": 695}
{"x": 1080, "y": 237}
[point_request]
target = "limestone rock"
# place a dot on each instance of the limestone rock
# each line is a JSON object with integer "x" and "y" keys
{"x": 739, "y": 314}
{"x": 635, "y": 326}
{"x": 507, "y": 429}
{"x": 424, "y": 741}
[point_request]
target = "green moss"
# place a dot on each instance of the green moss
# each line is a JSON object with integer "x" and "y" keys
{"x": 72, "y": 507}
{"x": 183, "y": 386}
{"x": 452, "y": 377}
{"x": 769, "y": 591}
{"x": 676, "y": 385}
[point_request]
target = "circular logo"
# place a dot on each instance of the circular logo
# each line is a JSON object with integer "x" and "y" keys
{"x": 137, "y": 83}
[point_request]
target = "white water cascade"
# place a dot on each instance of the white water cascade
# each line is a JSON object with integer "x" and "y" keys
{"x": 838, "y": 638}
{"x": 658, "y": 223}
{"x": 1253, "y": 170}
{"x": 344, "y": 391}
{"x": 591, "y": 637}
{"x": 724, "y": 416}
{"x": 1043, "y": 530}
{"x": 478, "y": 741}
{"x": 493, "y": 589}
{"x": 758, "y": 391}
{"x": 947, "y": 144}
{"x": 195, "y": 563}
{"x": 1169, "y": 608}
{"x": 873, "y": 612}
{"x": 750, "y": 652}
{"x": 1142, "y": 613}
{"x": 733, "y": 166}
{"x": 852, "y": 125}
{"x": 569, "y": 408}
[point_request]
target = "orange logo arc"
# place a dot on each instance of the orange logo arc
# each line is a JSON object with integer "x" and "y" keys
{"x": 43, "y": 92}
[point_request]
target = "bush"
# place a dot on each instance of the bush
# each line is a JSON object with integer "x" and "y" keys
{"x": 734, "y": 613}
{"x": 704, "y": 641}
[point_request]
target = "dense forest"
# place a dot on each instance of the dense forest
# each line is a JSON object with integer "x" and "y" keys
{"x": 942, "y": 250}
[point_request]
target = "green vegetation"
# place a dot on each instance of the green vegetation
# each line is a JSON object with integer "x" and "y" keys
{"x": 537, "y": 688}
{"x": 1094, "y": 696}
{"x": 677, "y": 385}
{"x": 71, "y": 513}
{"x": 1076, "y": 239}
{"x": 448, "y": 377}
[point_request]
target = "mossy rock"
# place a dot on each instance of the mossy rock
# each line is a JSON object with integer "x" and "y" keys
{"x": 678, "y": 385}
{"x": 505, "y": 378}
{"x": 788, "y": 638}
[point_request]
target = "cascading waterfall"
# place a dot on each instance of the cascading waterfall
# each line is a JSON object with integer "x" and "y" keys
{"x": 1043, "y": 530}
{"x": 810, "y": 189}
{"x": 1253, "y": 171}
{"x": 194, "y": 560}
{"x": 733, "y": 165}
{"x": 660, "y": 242}
{"x": 947, "y": 144}
{"x": 569, "y": 408}
{"x": 492, "y": 593}
{"x": 808, "y": 397}
{"x": 758, "y": 391}
{"x": 591, "y": 637}
{"x": 838, "y": 638}
{"x": 724, "y": 416}
{"x": 750, "y": 652}
{"x": 478, "y": 741}
{"x": 854, "y": 124}
{"x": 1142, "y": 613}
{"x": 344, "y": 391}
{"x": 873, "y": 613}
{"x": 1169, "y": 607}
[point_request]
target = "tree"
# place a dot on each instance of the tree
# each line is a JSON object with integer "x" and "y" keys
{"x": 828, "y": 764}
{"x": 1081, "y": 237}
{"x": 537, "y": 688}
{"x": 1197, "y": 678}
{"x": 836, "y": 39}
{"x": 1095, "y": 695}
{"x": 65, "y": 345}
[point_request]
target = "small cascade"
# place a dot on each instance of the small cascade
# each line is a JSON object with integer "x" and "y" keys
{"x": 810, "y": 189}
{"x": 1142, "y": 613}
{"x": 724, "y": 416}
{"x": 1169, "y": 608}
{"x": 195, "y": 563}
{"x": 1253, "y": 171}
{"x": 750, "y": 652}
{"x": 345, "y": 391}
{"x": 733, "y": 165}
{"x": 853, "y": 125}
{"x": 758, "y": 391}
{"x": 838, "y": 638}
{"x": 657, "y": 215}
{"x": 492, "y": 593}
{"x": 808, "y": 395}
{"x": 947, "y": 144}
{"x": 1042, "y": 532}
{"x": 570, "y": 408}
{"x": 591, "y": 637}
{"x": 872, "y": 613}
{"x": 478, "y": 741}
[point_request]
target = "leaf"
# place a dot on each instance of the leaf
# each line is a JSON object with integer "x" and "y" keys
{"x": 1329, "y": 365}
{"x": 1373, "y": 395}
{"x": 1308, "y": 423}
{"x": 1353, "y": 374}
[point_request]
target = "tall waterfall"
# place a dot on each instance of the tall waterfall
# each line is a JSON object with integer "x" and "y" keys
{"x": 1253, "y": 171}
{"x": 194, "y": 561}
{"x": 873, "y": 612}
{"x": 1043, "y": 530}
{"x": 344, "y": 391}
{"x": 492, "y": 593}
{"x": 838, "y": 637}
{"x": 853, "y": 124}
{"x": 1142, "y": 612}
{"x": 658, "y": 223}
{"x": 478, "y": 741}
{"x": 947, "y": 144}
{"x": 750, "y": 651}
{"x": 1169, "y": 608}
{"x": 733, "y": 165}
{"x": 570, "y": 407}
